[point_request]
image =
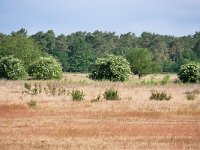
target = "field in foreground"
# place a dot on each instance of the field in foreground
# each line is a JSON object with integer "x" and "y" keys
{"x": 134, "y": 122}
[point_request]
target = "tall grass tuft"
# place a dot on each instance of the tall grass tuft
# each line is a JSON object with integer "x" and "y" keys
{"x": 32, "y": 104}
{"x": 54, "y": 88}
{"x": 33, "y": 90}
{"x": 192, "y": 94}
{"x": 165, "y": 80}
{"x": 77, "y": 95}
{"x": 111, "y": 94}
{"x": 156, "y": 95}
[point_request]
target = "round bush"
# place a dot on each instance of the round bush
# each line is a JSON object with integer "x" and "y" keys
{"x": 12, "y": 68}
{"x": 189, "y": 73}
{"x": 113, "y": 68}
{"x": 46, "y": 68}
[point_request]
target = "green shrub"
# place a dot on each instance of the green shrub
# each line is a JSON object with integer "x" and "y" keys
{"x": 46, "y": 68}
{"x": 111, "y": 94}
{"x": 32, "y": 104}
{"x": 77, "y": 95}
{"x": 12, "y": 68}
{"x": 165, "y": 80}
{"x": 156, "y": 95}
{"x": 113, "y": 68}
{"x": 189, "y": 73}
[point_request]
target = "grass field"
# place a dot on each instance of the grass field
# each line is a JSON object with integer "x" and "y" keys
{"x": 133, "y": 122}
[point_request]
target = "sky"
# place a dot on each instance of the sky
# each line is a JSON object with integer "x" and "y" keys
{"x": 167, "y": 17}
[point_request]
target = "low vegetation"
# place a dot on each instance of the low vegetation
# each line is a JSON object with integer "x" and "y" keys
{"x": 49, "y": 119}
{"x": 33, "y": 90}
{"x": 77, "y": 95}
{"x": 55, "y": 88}
{"x": 111, "y": 94}
{"x": 32, "y": 104}
{"x": 165, "y": 80}
{"x": 157, "y": 95}
{"x": 150, "y": 82}
{"x": 191, "y": 95}
{"x": 50, "y": 88}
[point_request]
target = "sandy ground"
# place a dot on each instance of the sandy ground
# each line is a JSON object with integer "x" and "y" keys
{"x": 133, "y": 122}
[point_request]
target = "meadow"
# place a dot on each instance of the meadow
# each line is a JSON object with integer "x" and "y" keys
{"x": 44, "y": 116}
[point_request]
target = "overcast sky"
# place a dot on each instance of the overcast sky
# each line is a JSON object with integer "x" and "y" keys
{"x": 170, "y": 17}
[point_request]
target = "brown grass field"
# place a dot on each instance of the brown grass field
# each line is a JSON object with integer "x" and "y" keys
{"x": 133, "y": 122}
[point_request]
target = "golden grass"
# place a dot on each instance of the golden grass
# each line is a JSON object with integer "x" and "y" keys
{"x": 134, "y": 122}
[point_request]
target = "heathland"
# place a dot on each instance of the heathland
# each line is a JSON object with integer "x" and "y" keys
{"x": 37, "y": 114}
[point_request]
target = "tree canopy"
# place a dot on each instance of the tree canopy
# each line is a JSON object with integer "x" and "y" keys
{"x": 78, "y": 50}
{"x": 20, "y": 46}
{"x": 140, "y": 60}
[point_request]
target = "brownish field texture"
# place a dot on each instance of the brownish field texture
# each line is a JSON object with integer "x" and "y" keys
{"x": 133, "y": 122}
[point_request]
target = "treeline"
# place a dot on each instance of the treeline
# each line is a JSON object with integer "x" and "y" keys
{"x": 79, "y": 50}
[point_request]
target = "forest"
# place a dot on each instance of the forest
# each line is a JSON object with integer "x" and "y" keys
{"x": 77, "y": 51}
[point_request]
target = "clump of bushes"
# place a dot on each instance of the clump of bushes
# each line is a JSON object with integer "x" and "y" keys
{"x": 156, "y": 95}
{"x": 77, "y": 95}
{"x": 43, "y": 68}
{"x": 111, "y": 94}
{"x": 46, "y": 68}
{"x": 12, "y": 68}
{"x": 113, "y": 68}
{"x": 189, "y": 73}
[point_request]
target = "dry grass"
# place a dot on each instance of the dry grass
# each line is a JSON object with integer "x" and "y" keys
{"x": 134, "y": 122}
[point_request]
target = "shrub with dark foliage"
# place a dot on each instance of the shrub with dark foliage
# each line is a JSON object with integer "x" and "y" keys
{"x": 111, "y": 94}
{"x": 113, "y": 68}
{"x": 189, "y": 73}
{"x": 46, "y": 68}
{"x": 12, "y": 68}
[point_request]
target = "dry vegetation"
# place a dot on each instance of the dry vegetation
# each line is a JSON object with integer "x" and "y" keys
{"x": 133, "y": 122}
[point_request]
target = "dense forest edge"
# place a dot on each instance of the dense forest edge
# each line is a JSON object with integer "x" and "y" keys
{"x": 77, "y": 51}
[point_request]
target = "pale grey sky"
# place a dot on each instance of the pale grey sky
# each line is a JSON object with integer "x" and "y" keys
{"x": 171, "y": 17}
